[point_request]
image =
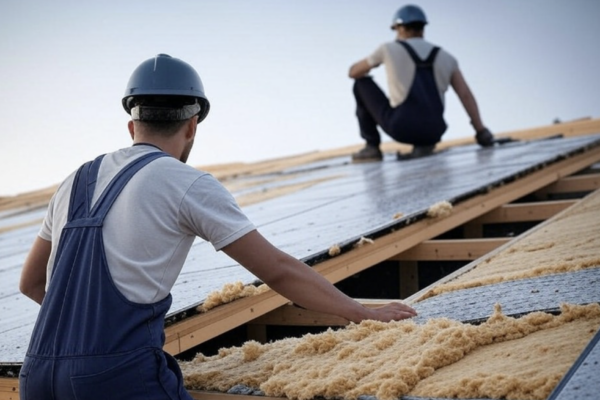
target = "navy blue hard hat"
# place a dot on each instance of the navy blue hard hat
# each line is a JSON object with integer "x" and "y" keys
{"x": 165, "y": 76}
{"x": 409, "y": 14}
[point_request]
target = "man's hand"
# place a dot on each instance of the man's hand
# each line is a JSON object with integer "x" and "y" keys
{"x": 484, "y": 138}
{"x": 393, "y": 311}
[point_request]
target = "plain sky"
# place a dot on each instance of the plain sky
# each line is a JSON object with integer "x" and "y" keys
{"x": 275, "y": 72}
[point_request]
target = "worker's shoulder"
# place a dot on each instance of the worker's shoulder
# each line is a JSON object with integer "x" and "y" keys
{"x": 170, "y": 168}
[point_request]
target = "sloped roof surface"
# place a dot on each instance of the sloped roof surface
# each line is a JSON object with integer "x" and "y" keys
{"x": 351, "y": 201}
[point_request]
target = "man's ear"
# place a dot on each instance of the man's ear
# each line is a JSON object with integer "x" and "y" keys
{"x": 131, "y": 130}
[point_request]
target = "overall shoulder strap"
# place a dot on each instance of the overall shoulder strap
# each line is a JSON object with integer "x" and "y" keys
{"x": 413, "y": 54}
{"x": 432, "y": 55}
{"x": 116, "y": 185}
{"x": 82, "y": 191}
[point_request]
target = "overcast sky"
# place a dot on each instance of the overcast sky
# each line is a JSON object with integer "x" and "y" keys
{"x": 275, "y": 72}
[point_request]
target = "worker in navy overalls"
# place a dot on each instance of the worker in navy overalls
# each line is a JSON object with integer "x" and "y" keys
{"x": 418, "y": 75}
{"x": 115, "y": 239}
{"x": 94, "y": 338}
{"x": 88, "y": 335}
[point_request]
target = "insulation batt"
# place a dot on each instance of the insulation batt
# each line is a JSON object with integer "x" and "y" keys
{"x": 389, "y": 360}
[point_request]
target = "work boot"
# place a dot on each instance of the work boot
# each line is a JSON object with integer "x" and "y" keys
{"x": 417, "y": 152}
{"x": 368, "y": 154}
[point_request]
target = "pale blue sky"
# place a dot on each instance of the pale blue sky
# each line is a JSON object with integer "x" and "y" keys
{"x": 275, "y": 72}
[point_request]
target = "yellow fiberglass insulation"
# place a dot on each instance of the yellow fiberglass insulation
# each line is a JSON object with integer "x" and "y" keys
{"x": 229, "y": 293}
{"x": 440, "y": 210}
{"x": 389, "y": 360}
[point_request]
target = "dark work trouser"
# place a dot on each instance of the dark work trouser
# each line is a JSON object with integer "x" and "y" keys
{"x": 407, "y": 123}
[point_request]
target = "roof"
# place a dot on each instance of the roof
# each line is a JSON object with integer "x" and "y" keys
{"x": 320, "y": 203}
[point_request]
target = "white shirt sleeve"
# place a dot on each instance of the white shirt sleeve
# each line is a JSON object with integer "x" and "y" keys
{"x": 377, "y": 57}
{"x": 209, "y": 211}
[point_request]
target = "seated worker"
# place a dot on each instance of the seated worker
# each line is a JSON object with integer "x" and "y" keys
{"x": 418, "y": 74}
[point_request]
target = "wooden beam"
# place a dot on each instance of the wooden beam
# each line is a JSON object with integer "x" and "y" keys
{"x": 450, "y": 249}
{"x": 9, "y": 388}
{"x": 198, "y": 329}
{"x": 573, "y": 184}
{"x": 524, "y": 212}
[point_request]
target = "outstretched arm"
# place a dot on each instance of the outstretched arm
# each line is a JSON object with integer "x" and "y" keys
{"x": 467, "y": 99}
{"x": 33, "y": 275}
{"x": 483, "y": 136}
{"x": 302, "y": 285}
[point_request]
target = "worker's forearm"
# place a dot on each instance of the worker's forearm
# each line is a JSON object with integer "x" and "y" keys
{"x": 467, "y": 99}
{"x": 309, "y": 289}
{"x": 470, "y": 105}
{"x": 359, "y": 69}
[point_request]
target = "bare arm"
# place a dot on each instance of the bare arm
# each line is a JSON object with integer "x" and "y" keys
{"x": 467, "y": 99}
{"x": 302, "y": 285}
{"x": 33, "y": 275}
{"x": 359, "y": 69}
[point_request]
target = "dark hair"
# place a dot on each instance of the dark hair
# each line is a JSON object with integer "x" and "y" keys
{"x": 163, "y": 128}
{"x": 414, "y": 26}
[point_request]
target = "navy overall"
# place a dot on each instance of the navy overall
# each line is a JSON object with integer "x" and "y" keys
{"x": 418, "y": 120}
{"x": 89, "y": 341}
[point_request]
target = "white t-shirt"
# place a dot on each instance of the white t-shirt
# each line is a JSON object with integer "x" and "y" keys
{"x": 400, "y": 68}
{"x": 154, "y": 221}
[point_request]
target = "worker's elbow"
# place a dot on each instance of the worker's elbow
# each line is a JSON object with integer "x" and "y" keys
{"x": 358, "y": 70}
{"x": 25, "y": 288}
{"x": 26, "y": 291}
{"x": 32, "y": 290}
